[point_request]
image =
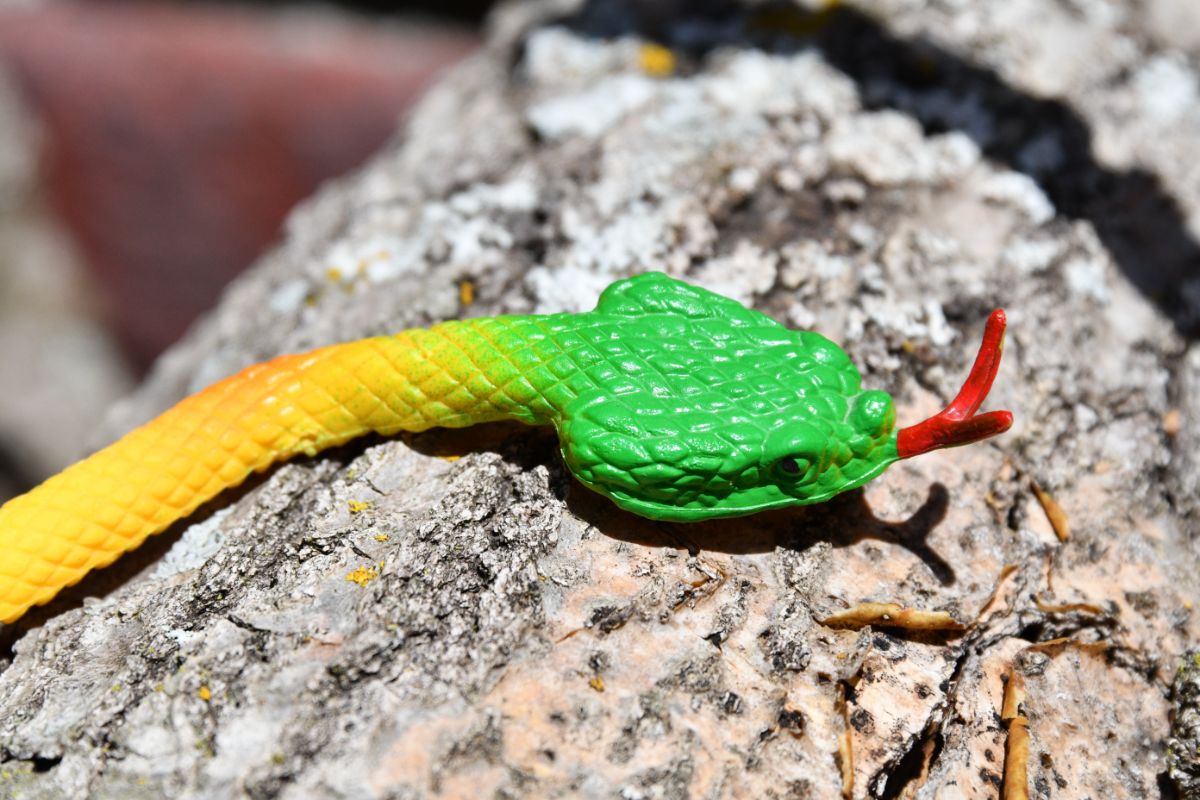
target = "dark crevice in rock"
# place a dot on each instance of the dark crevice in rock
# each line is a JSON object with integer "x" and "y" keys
{"x": 914, "y": 765}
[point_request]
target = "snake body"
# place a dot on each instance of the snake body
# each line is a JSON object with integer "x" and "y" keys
{"x": 677, "y": 403}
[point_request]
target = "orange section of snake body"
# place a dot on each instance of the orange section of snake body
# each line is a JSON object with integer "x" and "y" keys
{"x": 452, "y": 375}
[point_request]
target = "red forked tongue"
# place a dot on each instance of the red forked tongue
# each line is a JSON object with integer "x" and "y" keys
{"x": 957, "y": 424}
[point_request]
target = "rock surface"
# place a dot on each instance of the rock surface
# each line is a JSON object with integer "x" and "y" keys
{"x": 449, "y": 615}
{"x": 1183, "y": 748}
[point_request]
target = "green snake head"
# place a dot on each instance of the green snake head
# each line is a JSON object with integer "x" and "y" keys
{"x": 700, "y": 408}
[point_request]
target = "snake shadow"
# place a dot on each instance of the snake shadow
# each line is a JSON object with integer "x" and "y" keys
{"x": 842, "y": 521}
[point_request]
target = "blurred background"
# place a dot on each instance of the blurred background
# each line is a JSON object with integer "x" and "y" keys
{"x": 149, "y": 152}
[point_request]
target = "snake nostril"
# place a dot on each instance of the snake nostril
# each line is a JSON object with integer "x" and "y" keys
{"x": 873, "y": 414}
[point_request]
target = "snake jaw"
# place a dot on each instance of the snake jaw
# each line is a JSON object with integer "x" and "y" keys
{"x": 958, "y": 424}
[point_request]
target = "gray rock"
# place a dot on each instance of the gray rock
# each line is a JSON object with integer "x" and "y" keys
{"x": 1183, "y": 748}
{"x": 504, "y": 632}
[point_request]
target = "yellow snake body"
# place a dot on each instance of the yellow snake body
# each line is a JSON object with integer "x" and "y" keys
{"x": 451, "y": 375}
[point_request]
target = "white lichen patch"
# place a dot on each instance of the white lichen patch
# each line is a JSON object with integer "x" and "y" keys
{"x": 808, "y": 260}
{"x": 289, "y": 296}
{"x": 591, "y": 113}
{"x": 517, "y": 194}
{"x": 1028, "y": 256}
{"x": 743, "y": 274}
{"x": 750, "y": 82}
{"x": 376, "y": 258}
{"x": 1087, "y": 277}
{"x": 1021, "y": 192}
{"x": 632, "y": 239}
{"x": 557, "y": 59}
{"x": 911, "y": 321}
{"x": 195, "y": 546}
{"x": 888, "y": 148}
{"x": 1166, "y": 88}
{"x": 570, "y": 288}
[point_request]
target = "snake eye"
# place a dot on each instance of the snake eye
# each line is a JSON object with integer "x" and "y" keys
{"x": 792, "y": 466}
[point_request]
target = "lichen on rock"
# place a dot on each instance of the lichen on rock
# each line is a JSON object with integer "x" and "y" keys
{"x": 515, "y": 635}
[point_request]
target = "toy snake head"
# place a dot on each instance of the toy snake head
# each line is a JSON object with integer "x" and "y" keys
{"x": 701, "y": 408}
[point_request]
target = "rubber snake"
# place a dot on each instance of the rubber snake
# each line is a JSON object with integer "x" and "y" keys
{"x": 675, "y": 402}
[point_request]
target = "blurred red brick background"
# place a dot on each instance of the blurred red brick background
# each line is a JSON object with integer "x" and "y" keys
{"x": 176, "y": 138}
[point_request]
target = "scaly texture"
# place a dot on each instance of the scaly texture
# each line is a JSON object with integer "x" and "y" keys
{"x": 90, "y": 513}
{"x": 677, "y": 403}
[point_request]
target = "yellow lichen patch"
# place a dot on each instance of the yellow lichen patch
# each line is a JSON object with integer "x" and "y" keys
{"x": 204, "y": 693}
{"x": 381, "y": 537}
{"x": 358, "y": 506}
{"x": 17, "y": 771}
{"x": 466, "y": 293}
{"x": 1054, "y": 512}
{"x": 893, "y": 615}
{"x": 597, "y": 683}
{"x": 363, "y": 575}
{"x": 656, "y": 60}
